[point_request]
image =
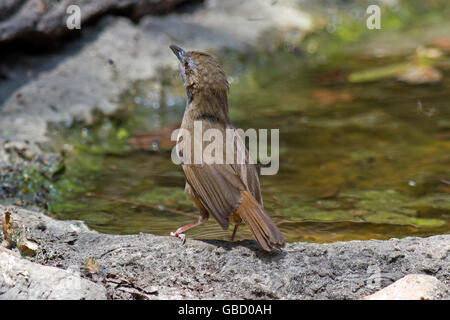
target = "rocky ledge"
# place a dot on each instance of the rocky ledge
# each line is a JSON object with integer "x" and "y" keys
{"x": 146, "y": 266}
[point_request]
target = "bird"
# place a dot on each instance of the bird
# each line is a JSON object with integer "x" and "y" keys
{"x": 230, "y": 192}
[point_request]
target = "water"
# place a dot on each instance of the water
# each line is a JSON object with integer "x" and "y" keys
{"x": 357, "y": 160}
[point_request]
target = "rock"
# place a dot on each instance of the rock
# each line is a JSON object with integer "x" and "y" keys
{"x": 71, "y": 83}
{"x": 206, "y": 269}
{"x": 22, "y": 279}
{"x": 412, "y": 287}
{"x": 38, "y": 20}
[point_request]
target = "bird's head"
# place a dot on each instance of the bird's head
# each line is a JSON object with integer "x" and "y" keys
{"x": 200, "y": 72}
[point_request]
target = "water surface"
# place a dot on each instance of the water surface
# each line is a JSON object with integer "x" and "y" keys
{"x": 361, "y": 161}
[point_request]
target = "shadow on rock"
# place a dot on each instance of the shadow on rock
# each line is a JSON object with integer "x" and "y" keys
{"x": 252, "y": 245}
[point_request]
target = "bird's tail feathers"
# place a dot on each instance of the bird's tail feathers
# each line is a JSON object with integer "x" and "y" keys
{"x": 259, "y": 223}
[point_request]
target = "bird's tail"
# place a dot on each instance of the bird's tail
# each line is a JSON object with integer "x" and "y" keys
{"x": 259, "y": 223}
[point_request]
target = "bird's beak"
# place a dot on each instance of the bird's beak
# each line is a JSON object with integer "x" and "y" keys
{"x": 177, "y": 51}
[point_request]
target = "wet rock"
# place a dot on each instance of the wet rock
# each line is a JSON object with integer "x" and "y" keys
{"x": 22, "y": 279}
{"x": 412, "y": 287}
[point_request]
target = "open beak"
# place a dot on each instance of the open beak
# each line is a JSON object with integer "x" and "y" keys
{"x": 177, "y": 51}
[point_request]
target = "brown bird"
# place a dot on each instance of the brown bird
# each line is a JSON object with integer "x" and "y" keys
{"x": 230, "y": 192}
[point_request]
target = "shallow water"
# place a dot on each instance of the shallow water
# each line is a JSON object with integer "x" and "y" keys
{"x": 357, "y": 160}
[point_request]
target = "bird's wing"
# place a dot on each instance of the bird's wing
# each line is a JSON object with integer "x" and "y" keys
{"x": 219, "y": 186}
{"x": 246, "y": 170}
{"x": 253, "y": 183}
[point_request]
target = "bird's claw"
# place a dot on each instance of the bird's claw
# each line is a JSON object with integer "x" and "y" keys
{"x": 182, "y": 236}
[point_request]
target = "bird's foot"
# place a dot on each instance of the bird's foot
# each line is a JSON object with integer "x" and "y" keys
{"x": 179, "y": 234}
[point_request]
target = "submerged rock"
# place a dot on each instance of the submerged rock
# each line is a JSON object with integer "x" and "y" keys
{"x": 420, "y": 75}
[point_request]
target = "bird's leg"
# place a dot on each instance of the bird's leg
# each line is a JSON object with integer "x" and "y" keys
{"x": 236, "y": 220}
{"x": 234, "y": 231}
{"x": 181, "y": 230}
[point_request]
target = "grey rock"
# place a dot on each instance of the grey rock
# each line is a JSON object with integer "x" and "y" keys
{"x": 156, "y": 267}
{"x": 22, "y": 279}
{"x": 37, "y": 20}
{"x": 71, "y": 84}
{"x": 412, "y": 287}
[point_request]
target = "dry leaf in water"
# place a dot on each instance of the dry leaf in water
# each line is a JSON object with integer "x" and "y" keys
{"x": 152, "y": 140}
{"x": 442, "y": 43}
